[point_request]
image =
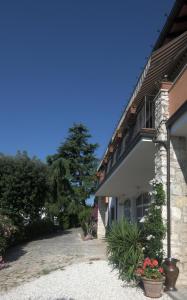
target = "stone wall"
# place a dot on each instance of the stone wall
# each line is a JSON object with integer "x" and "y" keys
{"x": 178, "y": 170}
{"x": 178, "y": 150}
{"x": 102, "y": 211}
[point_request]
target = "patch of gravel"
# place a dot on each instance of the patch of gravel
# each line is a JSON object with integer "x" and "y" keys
{"x": 83, "y": 281}
{"x": 29, "y": 261}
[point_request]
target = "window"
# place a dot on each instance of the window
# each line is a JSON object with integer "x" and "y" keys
{"x": 142, "y": 204}
{"x": 127, "y": 210}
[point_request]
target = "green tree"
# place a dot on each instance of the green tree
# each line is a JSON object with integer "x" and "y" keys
{"x": 60, "y": 188}
{"x": 75, "y": 163}
{"x": 82, "y": 161}
{"x": 23, "y": 187}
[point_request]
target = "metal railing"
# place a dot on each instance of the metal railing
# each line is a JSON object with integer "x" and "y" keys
{"x": 143, "y": 118}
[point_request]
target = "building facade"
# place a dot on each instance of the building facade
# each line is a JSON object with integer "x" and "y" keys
{"x": 150, "y": 141}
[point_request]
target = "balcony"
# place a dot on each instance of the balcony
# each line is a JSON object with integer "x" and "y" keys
{"x": 139, "y": 123}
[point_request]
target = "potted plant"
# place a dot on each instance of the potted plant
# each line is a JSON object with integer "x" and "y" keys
{"x": 152, "y": 277}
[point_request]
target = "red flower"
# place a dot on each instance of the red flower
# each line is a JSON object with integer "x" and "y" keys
{"x": 155, "y": 263}
{"x": 150, "y": 269}
{"x": 147, "y": 262}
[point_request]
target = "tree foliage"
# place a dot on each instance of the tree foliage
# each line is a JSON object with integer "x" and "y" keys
{"x": 29, "y": 187}
{"x": 82, "y": 161}
{"x": 73, "y": 170}
{"x": 23, "y": 187}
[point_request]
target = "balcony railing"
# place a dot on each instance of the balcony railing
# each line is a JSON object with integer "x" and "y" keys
{"x": 144, "y": 119}
{"x": 141, "y": 120}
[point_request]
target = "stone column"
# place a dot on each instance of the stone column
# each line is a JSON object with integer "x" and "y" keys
{"x": 161, "y": 117}
{"x": 101, "y": 225}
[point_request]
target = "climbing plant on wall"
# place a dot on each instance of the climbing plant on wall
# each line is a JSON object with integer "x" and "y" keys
{"x": 153, "y": 227}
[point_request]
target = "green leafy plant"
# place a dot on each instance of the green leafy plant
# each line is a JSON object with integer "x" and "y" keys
{"x": 88, "y": 220}
{"x": 84, "y": 218}
{"x": 23, "y": 187}
{"x": 124, "y": 248}
{"x": 153, "y": 227}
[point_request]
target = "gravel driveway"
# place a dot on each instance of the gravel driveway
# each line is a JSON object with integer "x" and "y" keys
{"x": 83, "y": 281}
{"x": 63, "y": 267}
{"x": 41, "y": 257}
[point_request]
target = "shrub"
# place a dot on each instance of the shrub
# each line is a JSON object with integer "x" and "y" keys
{"x": 74, "y": 220}
{"x": 39, "y": 228}
{"x": 23, "y": 187}
{"x": 64, "y": 221}
{"x": 84, "y": 218}
{"x": 153, "y": 228}
{"x": 3, "y": 245}
{"x": 88, "y": 220}
{"x": 7, "y": 229}
{"x": 124, "y": 248}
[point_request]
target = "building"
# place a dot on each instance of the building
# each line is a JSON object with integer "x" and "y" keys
{"x": 150, "y": 141}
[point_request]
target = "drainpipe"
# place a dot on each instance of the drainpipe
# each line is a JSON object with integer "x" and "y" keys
{"x": 168, "y": 196}
{"x": 170, "y": 269}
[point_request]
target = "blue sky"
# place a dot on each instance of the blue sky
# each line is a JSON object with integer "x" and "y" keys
{"x": 65, "y": 61}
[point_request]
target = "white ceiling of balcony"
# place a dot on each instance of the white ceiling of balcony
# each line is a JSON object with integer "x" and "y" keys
{"x": 133, "y": 174}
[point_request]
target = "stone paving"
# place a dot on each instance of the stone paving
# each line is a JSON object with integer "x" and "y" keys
{"x": 41, "y": 257}
{"x": 180, "y": 294}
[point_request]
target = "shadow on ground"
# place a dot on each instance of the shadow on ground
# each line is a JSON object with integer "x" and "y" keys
{"x": 16, "y": 251}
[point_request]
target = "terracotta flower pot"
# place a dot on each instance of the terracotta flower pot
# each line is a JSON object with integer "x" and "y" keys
{"x": 153, "y": 287}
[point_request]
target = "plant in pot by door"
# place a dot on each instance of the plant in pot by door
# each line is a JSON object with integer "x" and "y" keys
{"x": 152, "y": 277}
